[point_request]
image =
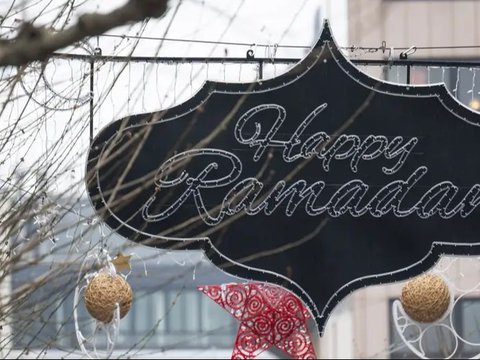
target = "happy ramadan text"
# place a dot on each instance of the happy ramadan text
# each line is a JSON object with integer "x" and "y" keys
{"x": 248, "y": 194}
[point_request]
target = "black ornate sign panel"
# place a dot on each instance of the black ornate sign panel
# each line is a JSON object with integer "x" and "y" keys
{"x": 322, "y": 180}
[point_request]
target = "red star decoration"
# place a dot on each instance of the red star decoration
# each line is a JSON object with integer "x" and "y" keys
{"x": 269, "y": 316}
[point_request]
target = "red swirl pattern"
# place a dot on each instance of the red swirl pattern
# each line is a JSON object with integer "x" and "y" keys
{"x": 285, "y": 326}
{"x": 270, "y": 316}
{"x": 254, "y": 306}
{"x": 236, "y": 297}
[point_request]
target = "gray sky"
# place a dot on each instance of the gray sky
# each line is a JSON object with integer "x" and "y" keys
{"x": 146, "y": 88}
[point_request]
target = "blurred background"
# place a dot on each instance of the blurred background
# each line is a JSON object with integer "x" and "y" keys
{"x": 48, "y": 224}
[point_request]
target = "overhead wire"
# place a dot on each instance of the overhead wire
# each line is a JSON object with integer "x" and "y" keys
{"x": 285, "y": 46}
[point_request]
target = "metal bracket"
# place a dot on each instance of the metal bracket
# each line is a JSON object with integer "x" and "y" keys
{"x": 410, "y": 51}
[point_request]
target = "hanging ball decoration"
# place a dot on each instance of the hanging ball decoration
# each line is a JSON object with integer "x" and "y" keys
{"x": 426, "y": 298}
{"x": 104, "y": 292}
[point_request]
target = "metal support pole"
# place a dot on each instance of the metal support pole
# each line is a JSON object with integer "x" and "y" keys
{"x": 92, "y": 69}
{"x": 5, "y": 298}
{"x": 260, "y": 70}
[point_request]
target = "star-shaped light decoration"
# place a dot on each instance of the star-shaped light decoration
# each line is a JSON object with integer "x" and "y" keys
{"x": 122, "y": 262}
{"x": 269, "y": 316}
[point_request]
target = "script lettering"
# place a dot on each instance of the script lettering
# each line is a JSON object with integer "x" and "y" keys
{"x": 355, "y": 197}
{"x": 319, "y": 144}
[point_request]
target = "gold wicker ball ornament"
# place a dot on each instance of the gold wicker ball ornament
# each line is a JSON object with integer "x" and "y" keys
{"x": 103, "y": 293}
{"x": 426, "y": 298}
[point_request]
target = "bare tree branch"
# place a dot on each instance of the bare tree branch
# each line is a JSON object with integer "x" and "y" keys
{"x": 37, "y": 43}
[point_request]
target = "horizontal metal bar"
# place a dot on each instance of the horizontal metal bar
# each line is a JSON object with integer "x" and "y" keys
{"x": 220, "y": 60}
{"x": 244, "y": 60}
{"x": 433, "y": 63}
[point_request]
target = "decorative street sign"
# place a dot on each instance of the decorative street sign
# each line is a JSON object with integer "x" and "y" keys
{"x": 322, "y": 180}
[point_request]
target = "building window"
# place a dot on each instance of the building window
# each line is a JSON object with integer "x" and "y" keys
{"x": 460, "y": 82}
{"x": 439, "y": 342}
{"x": 176, "y": 319}
{"x": 159, "y": 320}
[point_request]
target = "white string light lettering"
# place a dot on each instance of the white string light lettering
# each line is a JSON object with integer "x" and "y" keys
{"x": 350, "y": 198}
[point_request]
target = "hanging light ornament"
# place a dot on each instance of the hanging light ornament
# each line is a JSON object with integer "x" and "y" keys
{"x": 426, "y": 298}
{"x": 104, "y": 293}
{"x": 107, "y": 297}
